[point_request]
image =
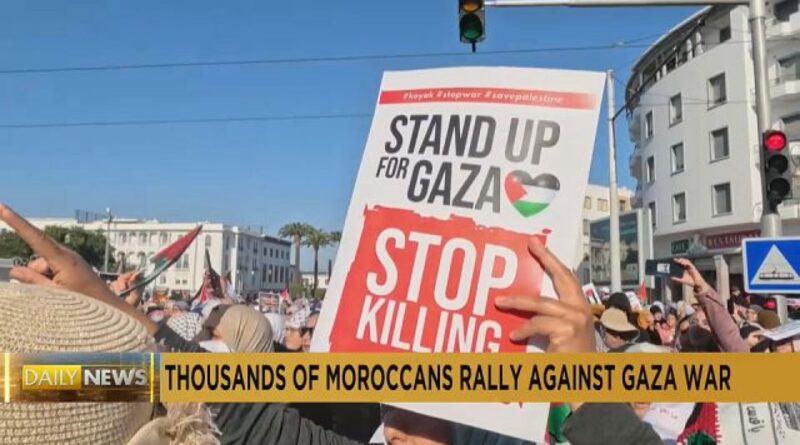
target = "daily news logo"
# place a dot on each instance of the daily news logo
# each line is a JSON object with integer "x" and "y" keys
{"x": 76, "y": 377}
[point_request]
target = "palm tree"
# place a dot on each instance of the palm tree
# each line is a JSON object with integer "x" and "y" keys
{"x": 335, "y": 236}
{"x": 297, "y": 232}
{"x": 317, "y": 239}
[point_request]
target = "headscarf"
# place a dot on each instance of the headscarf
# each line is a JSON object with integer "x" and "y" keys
{"x": 187, "y": 325}
{"x": 245, "y": 330}
{"x": 276, "y": 321}
{"x": 768, "y": 319}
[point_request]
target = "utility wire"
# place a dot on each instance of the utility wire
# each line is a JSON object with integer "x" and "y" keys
{"x": 186, "y": 121}
{"x": 280, "y": 61}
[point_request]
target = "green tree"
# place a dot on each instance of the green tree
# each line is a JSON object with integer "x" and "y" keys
{"x": 336, "y": 237}
{"x": 297, "y": 232}
{"x": 12, "y": 246}
{"x": 317, "y": 239}
{"x": 89, "y": 245}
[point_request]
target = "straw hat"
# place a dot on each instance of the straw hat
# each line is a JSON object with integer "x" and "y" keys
{"x": 616, "y": 320}
{"x": 38, "y": 319}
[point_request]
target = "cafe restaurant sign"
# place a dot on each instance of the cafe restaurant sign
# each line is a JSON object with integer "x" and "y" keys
{"x": 729, "y": 240}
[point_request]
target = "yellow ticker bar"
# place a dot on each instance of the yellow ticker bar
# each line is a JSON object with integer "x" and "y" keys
{"x": 409, "y": 377}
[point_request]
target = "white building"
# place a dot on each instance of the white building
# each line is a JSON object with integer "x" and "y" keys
{"x": 323, "y": 279}
{"x": 596, "y": 205}
{"x": 255, "y": 261}
{"x": 692, "y": 120}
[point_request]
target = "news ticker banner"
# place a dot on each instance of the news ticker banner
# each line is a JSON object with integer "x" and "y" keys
{"x": 400, "y": 377}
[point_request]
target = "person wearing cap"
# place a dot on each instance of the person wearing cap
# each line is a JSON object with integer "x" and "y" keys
{"x": 618, "y": 332}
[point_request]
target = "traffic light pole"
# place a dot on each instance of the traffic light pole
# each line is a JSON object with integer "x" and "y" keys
{"x": 770, "y": 218}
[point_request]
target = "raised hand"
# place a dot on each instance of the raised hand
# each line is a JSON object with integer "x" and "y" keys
{"x": 566, "y": 321}
{"x": 691, "y": 276}
{"x": 59, "y": 266}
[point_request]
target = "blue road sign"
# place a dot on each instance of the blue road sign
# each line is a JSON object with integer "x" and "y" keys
{"x": 771, "y": 265}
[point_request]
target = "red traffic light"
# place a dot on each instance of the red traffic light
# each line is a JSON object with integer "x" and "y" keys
{"x": 774, "y": 140}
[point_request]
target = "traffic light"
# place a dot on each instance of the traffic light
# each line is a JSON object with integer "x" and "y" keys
{"x": 471, "y": 20}
{"x": 777, "y": 171}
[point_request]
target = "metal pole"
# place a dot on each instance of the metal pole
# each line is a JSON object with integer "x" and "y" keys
{"x": 770, "y": 218}
{"x": 108, "y": 240}
{"x": 616, "y": 264}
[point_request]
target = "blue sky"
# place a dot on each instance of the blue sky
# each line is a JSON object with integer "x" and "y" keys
{"x": 257, "y": 173}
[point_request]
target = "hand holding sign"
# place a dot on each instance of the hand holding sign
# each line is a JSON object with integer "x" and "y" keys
{"x": 566, "y": 322}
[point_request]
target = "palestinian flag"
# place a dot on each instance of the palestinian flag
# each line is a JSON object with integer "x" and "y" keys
{"x": 531, "y": 195}
{"x": 165, "y": 258}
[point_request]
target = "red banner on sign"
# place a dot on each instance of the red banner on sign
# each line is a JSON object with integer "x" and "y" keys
{"x": 729, "y": 240}
{"x": 426, "y": 284}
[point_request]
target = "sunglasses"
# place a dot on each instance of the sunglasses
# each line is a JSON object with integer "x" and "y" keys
{"x": 309, "y": 331}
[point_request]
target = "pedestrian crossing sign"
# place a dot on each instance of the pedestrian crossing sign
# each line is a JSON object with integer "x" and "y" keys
{"x": 771, "y": 265}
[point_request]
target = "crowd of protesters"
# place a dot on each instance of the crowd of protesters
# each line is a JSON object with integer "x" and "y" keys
{"x": 220, "y": 322}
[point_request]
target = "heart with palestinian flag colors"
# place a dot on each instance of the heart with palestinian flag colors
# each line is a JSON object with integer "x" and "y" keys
{"x": 530, "y": 195}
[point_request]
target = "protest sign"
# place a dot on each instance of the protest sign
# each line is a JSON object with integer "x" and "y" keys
{"x": 783, "y": 332}
{"x": 591, "y": 294}
{"x": 461, "y": 167}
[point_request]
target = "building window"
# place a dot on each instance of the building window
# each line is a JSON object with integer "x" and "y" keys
{"x": 651, "y": 169}
{"x": 722, "y": 199}
{"x": 585, "y": 226}
{"x": 208, "y": 241}
{"x": 111, "y": 237}
{"x": 789, "y": 68}
{"x": 716, "y": 90}
{"x": 225, "y": 263}
{"x": 719, "y": 144}
{"x": 652, "y": 208}
{"x": 587, "y": 204}
{"x": 679, "y": 208}
{"x": 602, "y": 205}
{"x": 784, "y": 9}
{"x": 123, "y": 237}
{"x": 239, "y": 242}
{"x": 142, "y": 238}
{"x": 132, "y": 237}
{"x": 724, "y": 34}
{"x": 791, "y": 126}
{"x": 675, "y": 109}
{"x": 163, "y": 238}
{"x": 623, "y": 205}
{"x": 648, "y": 125}
{"x": 677, "y": 157}
{"x": 162, "y": 279}
{"x": 183, "y": 262}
